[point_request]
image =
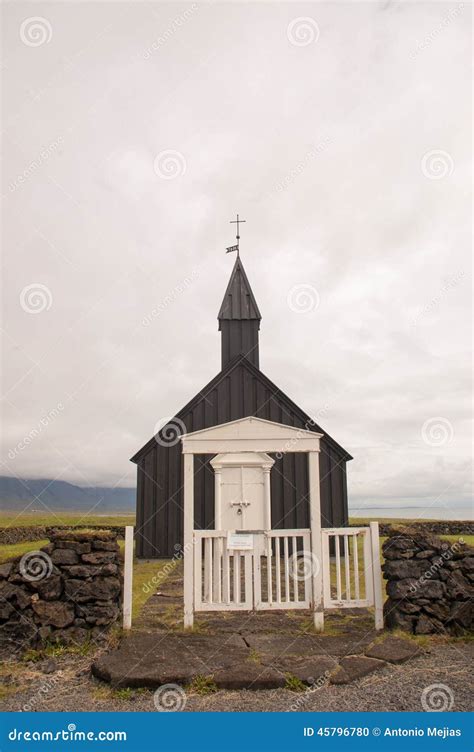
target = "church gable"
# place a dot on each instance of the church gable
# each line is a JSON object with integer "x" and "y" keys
{"x": 239, "y": 391}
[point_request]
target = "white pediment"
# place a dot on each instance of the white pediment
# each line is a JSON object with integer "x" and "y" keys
{"x": 250, "y": 435}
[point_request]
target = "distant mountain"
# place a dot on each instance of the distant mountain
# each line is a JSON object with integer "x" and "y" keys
{"x": 17, "y": 495}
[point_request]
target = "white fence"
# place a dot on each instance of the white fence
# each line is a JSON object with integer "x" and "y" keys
{"x": 278, "y": 573}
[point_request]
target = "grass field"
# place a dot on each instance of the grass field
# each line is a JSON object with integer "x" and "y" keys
{"x": 27, "y": 519}
{"x": 363, "y": 521}
{"x": 9, "y": 551}
{"x": 30, "y": 519}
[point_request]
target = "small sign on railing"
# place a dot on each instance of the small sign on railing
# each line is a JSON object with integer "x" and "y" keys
{"x": 239, "y": 541}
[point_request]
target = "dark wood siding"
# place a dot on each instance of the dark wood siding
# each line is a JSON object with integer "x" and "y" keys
{"x": 237, "y": 394}
{"x": 239, "y": 337}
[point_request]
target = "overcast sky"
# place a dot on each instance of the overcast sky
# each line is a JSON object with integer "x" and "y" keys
{"x": 133, "y": 133}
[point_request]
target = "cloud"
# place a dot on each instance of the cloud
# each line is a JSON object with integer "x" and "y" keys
{"x": 114, "y": 240}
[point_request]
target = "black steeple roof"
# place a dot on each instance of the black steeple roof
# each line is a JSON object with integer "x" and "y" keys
{"x": 239, "y": 303}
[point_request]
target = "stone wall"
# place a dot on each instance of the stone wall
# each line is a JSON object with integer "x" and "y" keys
{"x": 438, "y": 527}
{"x": 69, "y": 591}
{"x": 11, "y": 535}
{"x": 429, "y": 583}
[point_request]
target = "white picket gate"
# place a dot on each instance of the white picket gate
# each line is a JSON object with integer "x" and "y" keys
{"x": 278, "y": 573}
{"x": 265, "y": 578}
{"x": 355, "y": 580}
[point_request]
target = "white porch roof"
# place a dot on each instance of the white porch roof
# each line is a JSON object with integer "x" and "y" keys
{"x": 250, "y": 435}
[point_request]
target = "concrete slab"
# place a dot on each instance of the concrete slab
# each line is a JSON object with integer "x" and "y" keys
{"x": 355, "y": 667}
{"x": 249, "y": 675}
{"x": 394, "y": 650}
{"x": 150, "y": 660}
{"x": 306, "y": 644}
{"x": 308, "y": 669}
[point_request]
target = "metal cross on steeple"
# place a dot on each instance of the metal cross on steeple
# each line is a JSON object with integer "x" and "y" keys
{"x": 237, "y": 222}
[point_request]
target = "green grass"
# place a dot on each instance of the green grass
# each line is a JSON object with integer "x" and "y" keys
{"x": 56, "y": 650}
{"x": 202, "y": 685}
{"x": 468, "y": 539}
{"x": 124, "y": 693}
{"x": 294, "y": 684}
{"x": 254, "y": 656}
{"x": 30, "y": 519}
{"x": 363, "y": 521}
{"x": 11, "y": 550}
{"x": 105, "y": 693}
{"x": 144, "y": 572}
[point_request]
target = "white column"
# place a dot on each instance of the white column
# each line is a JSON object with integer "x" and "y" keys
{"x": 316, "y": 540}
{"x": 376, "y": 574}
{"x": 267, "y": 497}
{"x": 188, "y": 540}
{"x": 217, "y": 499}
{"x": 128, "y": 578}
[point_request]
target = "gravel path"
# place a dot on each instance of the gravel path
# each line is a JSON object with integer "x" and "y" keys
{"x": 25, "y": 686}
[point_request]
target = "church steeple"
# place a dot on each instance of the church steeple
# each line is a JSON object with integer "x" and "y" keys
{"x": 239, "y": 318}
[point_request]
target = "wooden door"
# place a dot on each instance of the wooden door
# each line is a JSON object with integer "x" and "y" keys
{"x": 243, "y": 500}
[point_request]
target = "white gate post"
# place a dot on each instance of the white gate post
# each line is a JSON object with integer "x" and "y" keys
{"x": 188, "y": 540}
{"x": 316, "y": 541}
{"x": 377, "y": 574}
{"x": 128, "y": 578}
{"x": 217, "y": 498}
{"x": 267, "y": 498}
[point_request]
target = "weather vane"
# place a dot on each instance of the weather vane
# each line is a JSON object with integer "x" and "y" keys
{"x": 235, "y": 247}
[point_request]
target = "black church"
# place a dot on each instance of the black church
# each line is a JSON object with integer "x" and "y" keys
{"x": 240, "y": 390}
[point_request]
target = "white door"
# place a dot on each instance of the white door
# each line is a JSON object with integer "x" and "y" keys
{"x": 242, "y": 498}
